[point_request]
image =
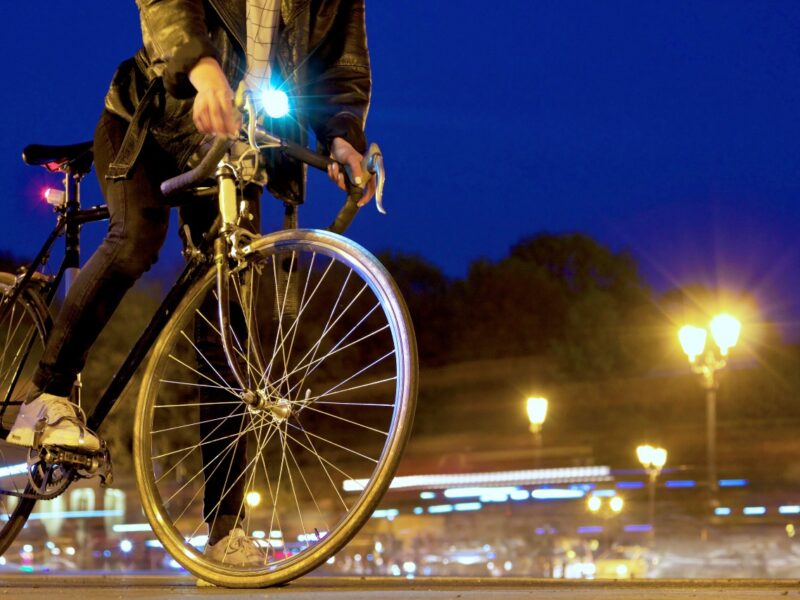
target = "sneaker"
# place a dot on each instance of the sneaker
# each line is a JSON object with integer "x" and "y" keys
{"x": 55, "y": 421}
{"x": 237, "y": 549}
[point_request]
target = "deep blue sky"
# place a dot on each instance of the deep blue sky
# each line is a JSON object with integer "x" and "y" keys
{"x": 669, "y": 128}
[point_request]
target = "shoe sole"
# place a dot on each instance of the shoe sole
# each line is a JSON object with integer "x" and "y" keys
{"x": 20, "y": 439}
{"x": 26, "y": 439}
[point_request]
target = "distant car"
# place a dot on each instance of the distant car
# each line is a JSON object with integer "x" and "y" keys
{"x": 624, "y": 562}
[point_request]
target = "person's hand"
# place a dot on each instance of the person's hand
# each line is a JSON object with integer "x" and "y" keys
{"x": 342, "y": 152}
{"x": 214, "y": 111}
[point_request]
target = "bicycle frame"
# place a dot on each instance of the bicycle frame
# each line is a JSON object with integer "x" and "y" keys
{"x": 70, "y": 219}
{"x": 69, "y": 222}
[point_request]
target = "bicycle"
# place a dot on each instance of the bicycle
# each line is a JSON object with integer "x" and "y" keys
{"x": 315, "y": 334}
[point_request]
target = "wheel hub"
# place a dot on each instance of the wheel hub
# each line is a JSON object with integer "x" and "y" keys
{"x": 261, "y": 402}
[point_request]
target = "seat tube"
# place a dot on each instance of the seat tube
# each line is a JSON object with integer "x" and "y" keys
{"x": 72, "y": 251}
{"x": 72, "y": 235}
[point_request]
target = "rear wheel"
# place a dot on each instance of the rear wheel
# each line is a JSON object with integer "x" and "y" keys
{"x": 301, "y": 454}
{"x": 24, "y": 326}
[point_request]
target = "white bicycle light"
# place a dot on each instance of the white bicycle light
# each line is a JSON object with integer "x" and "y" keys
{"x": 275, "y": 102}
{"x": 55, "y": 197}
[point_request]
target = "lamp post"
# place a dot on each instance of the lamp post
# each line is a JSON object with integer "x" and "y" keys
{"x": 653, "y": 460}
{"x": 706, "y": 361}
{"x": 537, "y": 413}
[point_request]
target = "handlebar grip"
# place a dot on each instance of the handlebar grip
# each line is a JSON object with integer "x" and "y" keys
{"x": 201, "y": 172}
{"x": 305, "y": 155}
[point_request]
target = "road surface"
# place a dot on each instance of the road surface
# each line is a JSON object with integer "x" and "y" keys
{"x": 148, "y": 587}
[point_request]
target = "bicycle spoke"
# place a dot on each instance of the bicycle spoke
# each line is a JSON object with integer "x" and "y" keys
{"x": 300, "y": 312}
{"x": 208, "y": 362}
{"x": 322, "y": 464}
{"x": 316, "y": 400}
{"x": 335, "y": 349}
{"x": 223, "y": 386}
{"x": 331, "y": 442}
{"x": 350, "y": 421}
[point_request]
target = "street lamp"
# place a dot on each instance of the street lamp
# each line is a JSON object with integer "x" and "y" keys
{"x": 653, "y": 460}
{"x": 611, "y": 508}
{"x": 706, "y": 361}
{"x": 607, "y": 510}
{"x": 537, "y": 413}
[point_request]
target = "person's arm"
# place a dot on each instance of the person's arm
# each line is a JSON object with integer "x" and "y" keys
{"x": 175, "y": 31}
{"x": 340, "y": 86}
{"x": 340, "y": 81}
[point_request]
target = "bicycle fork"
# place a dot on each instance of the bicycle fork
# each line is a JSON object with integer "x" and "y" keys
{"x": 256, "y": 392}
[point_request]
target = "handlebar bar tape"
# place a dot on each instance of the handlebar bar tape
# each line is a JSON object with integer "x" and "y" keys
{"x": 201, "y": 172}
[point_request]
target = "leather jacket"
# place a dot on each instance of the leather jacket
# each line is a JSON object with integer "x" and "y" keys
{"x": 321, "y": 53}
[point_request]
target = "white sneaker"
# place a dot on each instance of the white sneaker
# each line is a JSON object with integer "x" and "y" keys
{"x": 57, "y": 422}
{"x": 238, "y": 550}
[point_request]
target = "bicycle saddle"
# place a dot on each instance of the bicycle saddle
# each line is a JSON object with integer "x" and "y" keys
{"x": 75, "y": 159}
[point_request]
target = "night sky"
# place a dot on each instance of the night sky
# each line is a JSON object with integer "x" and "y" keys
{"x": 669, "y": 128}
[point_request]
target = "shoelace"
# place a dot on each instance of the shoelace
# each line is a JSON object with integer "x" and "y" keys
{"x": 247, "y": 544}
{"x": 59, "y": 410}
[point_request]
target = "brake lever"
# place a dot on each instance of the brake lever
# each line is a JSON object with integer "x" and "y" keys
{"x": 374, "y": 165}
{"x": 371, "y": 166}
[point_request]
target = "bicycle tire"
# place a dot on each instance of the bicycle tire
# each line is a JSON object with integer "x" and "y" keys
{"x": 316, "y": 456}
{"x": 30, "y": 306}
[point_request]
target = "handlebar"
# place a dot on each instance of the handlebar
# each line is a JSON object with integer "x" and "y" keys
{"x": 355, "y": 192}
{"x": 201, "y": 172}
{"x": 371, "y": 166}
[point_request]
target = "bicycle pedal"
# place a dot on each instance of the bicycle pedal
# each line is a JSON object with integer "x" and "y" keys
{"x": 92, "y": 463}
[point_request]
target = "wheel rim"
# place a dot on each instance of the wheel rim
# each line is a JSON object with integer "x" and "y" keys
{"x": 330, "y": 392}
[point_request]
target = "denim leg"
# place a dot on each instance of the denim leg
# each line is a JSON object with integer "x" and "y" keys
{"x": 137, "y": 229}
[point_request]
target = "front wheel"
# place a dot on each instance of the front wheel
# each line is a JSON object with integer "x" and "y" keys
{"x": 299, "y": 456}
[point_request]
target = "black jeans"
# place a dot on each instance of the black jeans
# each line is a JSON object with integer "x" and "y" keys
{"x": 137, "y": 228}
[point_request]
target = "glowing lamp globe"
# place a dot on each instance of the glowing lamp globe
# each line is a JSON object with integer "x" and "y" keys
{"x": 275, "y": 103}
{"x": 659, "y": 458}
{"x": 537, "y": 411}
{"x": 645, "y": 454}
{"x": 693, "y": 340}
{"x": 726, "y": 330}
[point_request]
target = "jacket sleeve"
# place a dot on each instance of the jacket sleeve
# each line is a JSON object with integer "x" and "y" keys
{"x": 175, "y": 33}
{"x": 339, "y": 80}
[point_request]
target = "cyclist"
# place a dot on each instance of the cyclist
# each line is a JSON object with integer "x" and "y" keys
{"x": 161, "y": 105}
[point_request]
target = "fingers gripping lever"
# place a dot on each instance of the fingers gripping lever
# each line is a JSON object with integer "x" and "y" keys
{"x": 371, "y": 166}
